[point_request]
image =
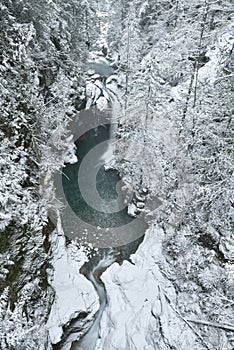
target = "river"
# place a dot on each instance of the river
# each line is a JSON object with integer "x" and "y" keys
{"x": 106, "y": 184}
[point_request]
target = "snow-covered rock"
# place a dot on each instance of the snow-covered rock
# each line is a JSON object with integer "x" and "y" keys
{"x": 70, "y": 156}
{"x": 102, "y": 103}
{"x": 140, "y": 314}
{"x": 140, "y": 205}
{"x": 132, "y": 210}
{"x": 74, "y": 294}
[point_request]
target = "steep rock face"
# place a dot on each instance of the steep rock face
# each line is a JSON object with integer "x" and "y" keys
{"x": 75, "y": 296}
{"x": 140, "y": 314}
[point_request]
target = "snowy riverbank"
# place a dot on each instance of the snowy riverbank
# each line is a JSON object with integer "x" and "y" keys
{"x": 140, "y": 313}
{"x": 74, "y": 294}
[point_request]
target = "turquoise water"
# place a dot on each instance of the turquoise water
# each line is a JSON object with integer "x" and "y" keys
{"x": 101, "y": 67}
{"x": 123, "y": 232}
{"x": 106, "y": 182}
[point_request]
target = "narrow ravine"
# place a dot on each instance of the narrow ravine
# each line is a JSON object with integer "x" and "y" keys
{"x": 89, "y": 340}
{"x": 98, "y": 133}
{"x": 106, "y": 185}
{"x": 93, "y": 271}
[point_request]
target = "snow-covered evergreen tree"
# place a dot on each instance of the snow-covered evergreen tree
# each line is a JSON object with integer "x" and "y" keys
{"x": 181, "y": 92}
{"x": 44, "y": 48}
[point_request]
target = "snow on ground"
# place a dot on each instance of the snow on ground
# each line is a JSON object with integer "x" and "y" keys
{"x": 140, "y": 314}
{"x": 73, "y": 292}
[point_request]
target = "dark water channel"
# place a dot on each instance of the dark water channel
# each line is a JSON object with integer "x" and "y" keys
{"x": 105, "y": 182}
{"x": 117, "y": 245}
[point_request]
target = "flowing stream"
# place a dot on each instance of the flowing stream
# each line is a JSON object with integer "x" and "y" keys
{"x": 106, "y": 183}
{"x": 89, "y": 340}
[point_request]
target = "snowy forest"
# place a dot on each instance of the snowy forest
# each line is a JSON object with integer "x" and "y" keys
{"x": 163, "y": 71}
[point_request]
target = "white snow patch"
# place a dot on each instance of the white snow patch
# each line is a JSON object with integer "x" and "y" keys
{"x": 70, "y": 156}
{"x": 132, "y": 210}
{"x": 102, "y": 103}
{"x": 139, "y": 315}
{"x": 73, "y": 292}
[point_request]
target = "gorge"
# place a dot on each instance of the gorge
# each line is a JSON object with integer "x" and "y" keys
{"x": 116, "y": 162}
